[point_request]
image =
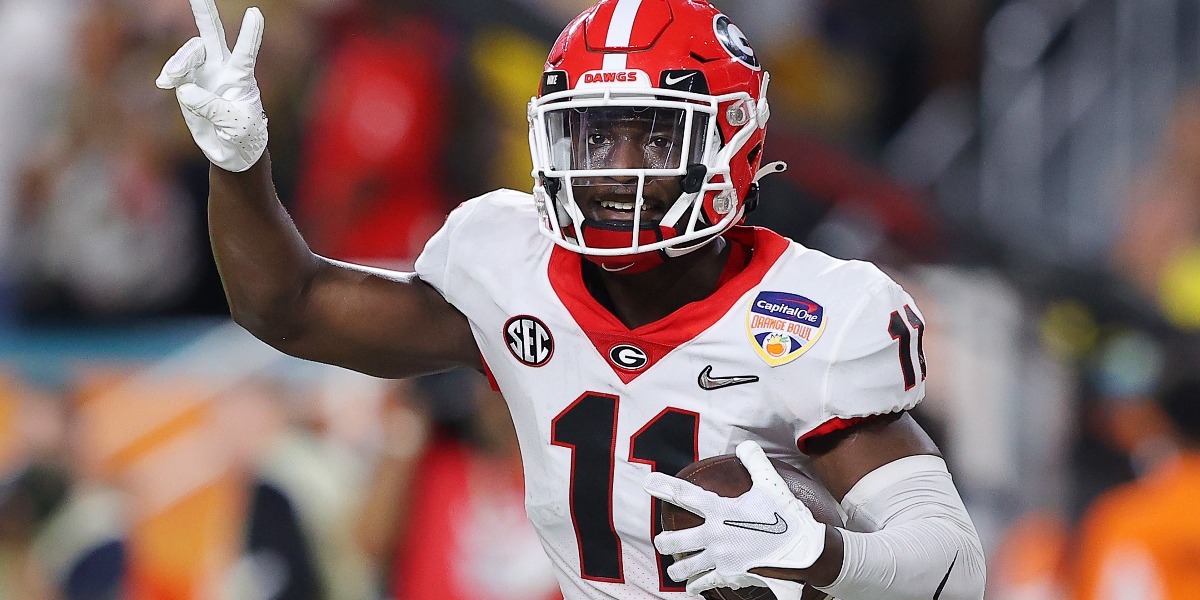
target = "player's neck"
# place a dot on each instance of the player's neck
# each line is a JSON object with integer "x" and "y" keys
{"x": 644, "y": 298}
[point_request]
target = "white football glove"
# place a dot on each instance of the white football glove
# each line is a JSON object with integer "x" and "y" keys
{"x": 764, "y": 527}
{"x": 217, "y": 91}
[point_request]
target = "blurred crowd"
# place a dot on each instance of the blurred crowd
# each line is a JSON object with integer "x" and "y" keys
{"x": 1028, "y": 169}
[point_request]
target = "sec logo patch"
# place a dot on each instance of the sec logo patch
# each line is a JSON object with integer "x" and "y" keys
{"x": 784, "y": 326}
{"x": 529, "y": 340}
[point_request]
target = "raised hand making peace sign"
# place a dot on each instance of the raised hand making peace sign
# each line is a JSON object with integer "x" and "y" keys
{"x": 217, "y": 91}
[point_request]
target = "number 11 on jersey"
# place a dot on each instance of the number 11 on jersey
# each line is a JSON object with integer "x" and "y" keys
{"x": 899, "y": 331}
{"x": 588, "y": 427}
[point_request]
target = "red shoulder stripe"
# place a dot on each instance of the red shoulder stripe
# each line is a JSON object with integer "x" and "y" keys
{"x": 828, "y": 427}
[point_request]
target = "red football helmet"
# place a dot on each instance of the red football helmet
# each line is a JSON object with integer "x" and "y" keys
{"x": 647, "y": 131}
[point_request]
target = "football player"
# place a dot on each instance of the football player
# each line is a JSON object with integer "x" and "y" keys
{"x": 633, "y": 326}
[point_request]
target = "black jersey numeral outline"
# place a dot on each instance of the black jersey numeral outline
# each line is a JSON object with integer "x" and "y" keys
{"x": 919, "y": 325}
{"x": 668, "y": 443}
{"x": 899, "y": 330}
{"x": 588, "y": 426}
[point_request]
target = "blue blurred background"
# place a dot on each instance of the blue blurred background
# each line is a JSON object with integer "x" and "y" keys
{"x": 1028, "y": 169}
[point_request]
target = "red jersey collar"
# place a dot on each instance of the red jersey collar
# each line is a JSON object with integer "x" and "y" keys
{"x": 657, "y": 339}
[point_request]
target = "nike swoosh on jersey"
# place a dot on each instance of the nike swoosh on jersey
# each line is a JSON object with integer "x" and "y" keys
{"x": 670, "y": 81}
{"x": 942, "y": 585}
{"x": 708, "y": 382}
{"x": 778, "y": 527}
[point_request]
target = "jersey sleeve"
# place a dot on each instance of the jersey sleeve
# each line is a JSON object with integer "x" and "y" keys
{"x": 434, "y": 261}
{"x": 877, "y": 365}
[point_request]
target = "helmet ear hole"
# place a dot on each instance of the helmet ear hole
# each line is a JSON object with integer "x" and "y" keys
{"x": 753, "y": 155}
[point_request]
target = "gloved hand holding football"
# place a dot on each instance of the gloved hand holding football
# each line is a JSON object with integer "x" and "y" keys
{"x": 766, "y": 526}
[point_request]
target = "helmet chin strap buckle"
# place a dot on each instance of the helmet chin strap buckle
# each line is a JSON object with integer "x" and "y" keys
{"x": 694, "y": 180}
{"x": 551, "y": 185}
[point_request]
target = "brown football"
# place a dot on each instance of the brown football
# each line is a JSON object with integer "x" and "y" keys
{"x": 725, "y": 476}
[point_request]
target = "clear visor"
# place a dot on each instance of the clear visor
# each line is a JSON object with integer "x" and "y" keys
{"x": 625, "y": 137}
{"x": 632, "y": 157}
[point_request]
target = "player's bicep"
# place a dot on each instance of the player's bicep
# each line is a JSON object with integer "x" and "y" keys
{"x": 875, "y": 375}
{"x": 382, "y": 323}
{"x": 845, "y": 456}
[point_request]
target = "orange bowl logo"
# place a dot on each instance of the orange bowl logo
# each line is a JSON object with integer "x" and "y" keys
{"x": 777, "y": 344}
{"x": 783, "y": 326}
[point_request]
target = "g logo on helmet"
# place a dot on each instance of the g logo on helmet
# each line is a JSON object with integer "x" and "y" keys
{"x": 628, "y": 357}
{"x": 735, "y": 42}
{"x": 529, "y": 340}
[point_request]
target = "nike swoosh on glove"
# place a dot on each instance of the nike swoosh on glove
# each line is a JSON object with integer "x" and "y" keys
{"x": 217, "y": 91}
{"x": 764, "y": 527}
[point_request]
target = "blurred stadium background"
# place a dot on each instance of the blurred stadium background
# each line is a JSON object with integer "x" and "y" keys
{"x": 1028, "y": 169}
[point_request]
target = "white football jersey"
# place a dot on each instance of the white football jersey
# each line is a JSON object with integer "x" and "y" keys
{"x": 795, "y": 345}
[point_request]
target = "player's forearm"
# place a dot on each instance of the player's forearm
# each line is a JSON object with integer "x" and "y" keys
{"x": 265, "y": 264}
{"x": 919, "y": 541}
{"x": 931, "y": 558}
